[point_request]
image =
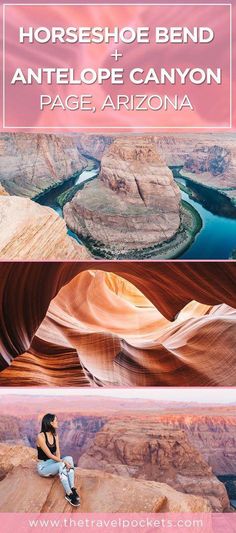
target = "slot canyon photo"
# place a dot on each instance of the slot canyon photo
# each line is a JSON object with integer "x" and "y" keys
{"x": 122, "y": 324}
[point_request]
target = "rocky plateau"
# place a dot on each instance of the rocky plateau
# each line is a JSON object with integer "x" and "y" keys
{"x": 99, "y": 491}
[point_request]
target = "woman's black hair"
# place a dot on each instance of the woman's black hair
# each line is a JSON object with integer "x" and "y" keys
{"x": 46, "y": 424}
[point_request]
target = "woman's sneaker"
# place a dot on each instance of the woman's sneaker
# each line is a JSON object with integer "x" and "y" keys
{"x": 74, "y": 491}
{"x": 71, "y": 498}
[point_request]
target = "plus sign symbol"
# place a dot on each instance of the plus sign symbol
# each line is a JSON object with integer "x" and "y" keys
{"x": 116, "y": 55}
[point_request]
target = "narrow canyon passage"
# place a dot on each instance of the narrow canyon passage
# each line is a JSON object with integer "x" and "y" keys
{"x": 122, "y": 324}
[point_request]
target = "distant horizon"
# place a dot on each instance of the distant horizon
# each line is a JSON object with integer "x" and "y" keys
{"x": 188, "y": 395}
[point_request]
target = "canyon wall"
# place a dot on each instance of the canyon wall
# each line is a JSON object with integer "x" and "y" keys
{"x": 140, "y": 449}
{"x": 213, "y": 436}
{"x": 214, "y": 167}
{"x": 75, "y": 432}
{"x": 174, "y": 149}
{"x": 23, "y": 490}
{"x": 134, "y": 203}
{"x": 31, "y": 163}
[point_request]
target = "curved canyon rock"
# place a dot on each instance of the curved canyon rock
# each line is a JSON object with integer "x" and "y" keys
{"x": 31, "y": 163}
{"x": 29, "y": 230}
{"x": 96, "y": 320}
{"x": 134, "y": 203}
{"x": 140, "y": 449}
{"x": 209, "y": 160}
{"x": 23, "y": 490}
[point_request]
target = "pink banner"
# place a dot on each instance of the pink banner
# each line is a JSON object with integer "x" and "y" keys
{"x": 92, "y": 522}
{"x": 111, "y": 84}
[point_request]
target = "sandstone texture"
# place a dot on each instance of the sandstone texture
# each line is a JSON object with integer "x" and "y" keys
{"x": 134, "y": 203}
{"x": 141, "y": 450}
{"x": 24, "y": 489}
{"x": 31, "y": 231}
{"x": 75, "y": 315}
{"x": 12, "y": 456}
{"x": 31, "y": 163}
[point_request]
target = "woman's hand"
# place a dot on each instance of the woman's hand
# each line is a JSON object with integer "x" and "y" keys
{"x": 67, "y": 465}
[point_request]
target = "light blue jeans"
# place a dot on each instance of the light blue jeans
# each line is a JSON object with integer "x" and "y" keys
{"x": 52, "y": 468}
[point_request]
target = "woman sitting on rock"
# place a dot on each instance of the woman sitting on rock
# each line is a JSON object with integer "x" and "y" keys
{"x": 49, "y": 459}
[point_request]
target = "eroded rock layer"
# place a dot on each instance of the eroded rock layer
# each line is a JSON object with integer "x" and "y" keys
{"x": 213, "y": 434}
{"x": 213, "y": 167}
{"x": 31, "y": 163}
{"x": 23, "y": 490}
{"x": 134, "y": 203}
{"x": 150, "y": 451}
{"x": 101, "y": 328}
{"x": 31, "y": 230}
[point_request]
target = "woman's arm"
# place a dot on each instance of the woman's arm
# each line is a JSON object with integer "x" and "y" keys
{"x": 42, "y": 444}
{"x": 68, "y": 466}
{"x": 58, "y": 452}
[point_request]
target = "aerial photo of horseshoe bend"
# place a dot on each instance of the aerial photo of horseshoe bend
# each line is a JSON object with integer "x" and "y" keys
{"x": 80, "y": 196}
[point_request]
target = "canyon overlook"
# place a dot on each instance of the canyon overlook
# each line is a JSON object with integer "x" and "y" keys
{"x": 99, "y": 491}
{"x": 134, "y": 197}
{"x": 170, "y": 446}
{"x": 212, "y": 433}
